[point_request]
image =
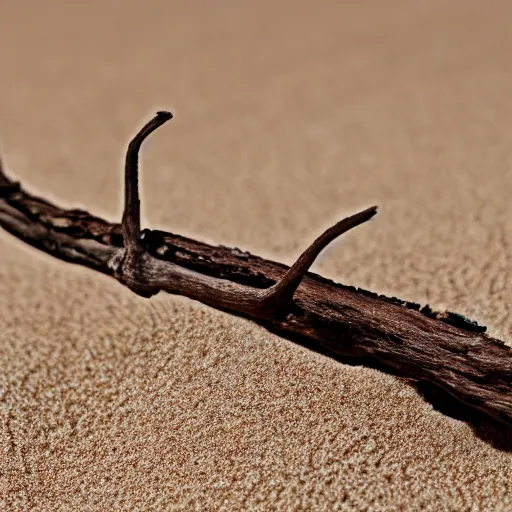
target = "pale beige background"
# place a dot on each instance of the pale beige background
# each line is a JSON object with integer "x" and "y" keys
{"x": 288, "y": 115}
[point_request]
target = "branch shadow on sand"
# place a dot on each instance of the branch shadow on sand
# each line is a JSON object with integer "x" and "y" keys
{"x": 492, "y": 431}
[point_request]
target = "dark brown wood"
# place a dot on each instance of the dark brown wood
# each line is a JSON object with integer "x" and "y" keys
{"x": 445, "y": 349}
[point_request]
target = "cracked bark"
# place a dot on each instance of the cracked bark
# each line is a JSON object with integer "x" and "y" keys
{"x": 445, "y": 349}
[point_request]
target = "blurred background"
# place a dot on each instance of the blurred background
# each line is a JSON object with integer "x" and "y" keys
{"x": 288, "y": 115}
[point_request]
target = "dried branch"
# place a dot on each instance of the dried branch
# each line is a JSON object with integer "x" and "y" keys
{"x": 445, "y": 349}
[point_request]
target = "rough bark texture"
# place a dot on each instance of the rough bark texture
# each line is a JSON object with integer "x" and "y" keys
{"x": 445, "y": 349}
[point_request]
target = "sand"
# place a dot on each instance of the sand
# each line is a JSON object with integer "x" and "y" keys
{"x": 288, "y": 116}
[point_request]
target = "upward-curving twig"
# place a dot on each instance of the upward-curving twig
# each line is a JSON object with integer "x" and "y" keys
{"x": 279, "y": 297}
{"x": 131, "y": 213}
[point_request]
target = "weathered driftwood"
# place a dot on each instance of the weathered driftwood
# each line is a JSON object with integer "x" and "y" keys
{"x": 445, "y": 349}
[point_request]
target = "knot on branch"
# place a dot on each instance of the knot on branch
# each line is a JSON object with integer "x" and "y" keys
{"x": 128, "y": 267}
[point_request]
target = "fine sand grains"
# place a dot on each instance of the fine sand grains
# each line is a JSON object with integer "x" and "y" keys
{"x": 288, "y": 116}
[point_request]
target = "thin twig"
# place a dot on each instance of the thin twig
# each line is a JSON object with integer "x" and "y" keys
{"x": 131, "y": 214}
{"x": 280, "y": 296}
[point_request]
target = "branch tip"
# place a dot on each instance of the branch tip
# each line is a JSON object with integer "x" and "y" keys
{"x": 164, "y": 114}
{"x": 6, "y": 185}
{"x": 2, "y": 173}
